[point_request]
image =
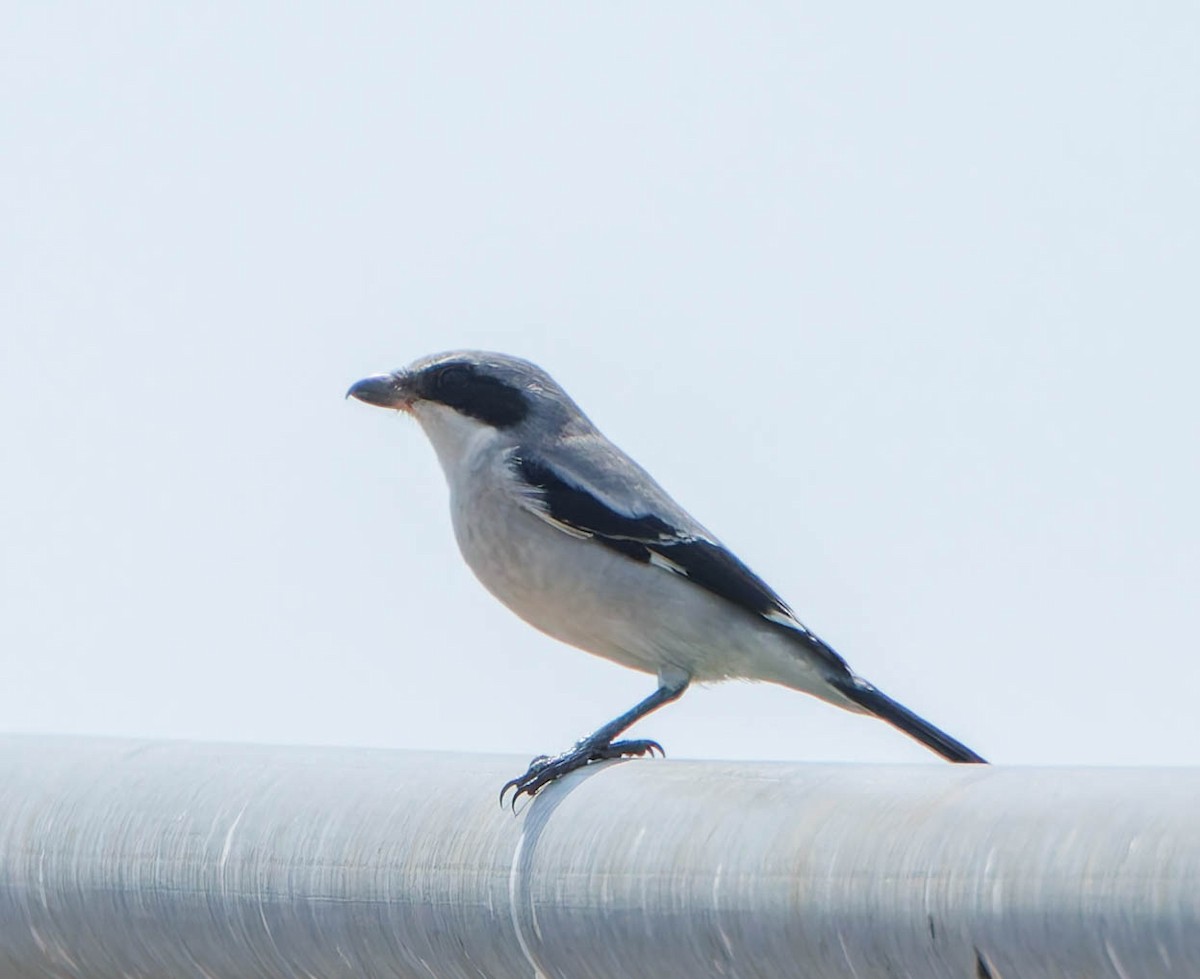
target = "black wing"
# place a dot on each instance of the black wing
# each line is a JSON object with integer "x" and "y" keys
{"x": 650, "y": 539}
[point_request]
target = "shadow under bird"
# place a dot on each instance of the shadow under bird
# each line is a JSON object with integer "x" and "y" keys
{"x": 580, "y": 542}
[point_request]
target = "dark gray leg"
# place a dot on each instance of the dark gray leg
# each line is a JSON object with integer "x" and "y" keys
{"x": 597, "y": 746}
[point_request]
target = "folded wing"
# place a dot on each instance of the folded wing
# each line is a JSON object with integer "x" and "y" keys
{"x": 563, "y": 498}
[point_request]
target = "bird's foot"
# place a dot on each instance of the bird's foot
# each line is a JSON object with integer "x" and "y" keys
{"x": 544, "y": 769}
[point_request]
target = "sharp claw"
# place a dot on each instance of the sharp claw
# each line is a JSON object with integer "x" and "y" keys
{"x": 544, "y": 769}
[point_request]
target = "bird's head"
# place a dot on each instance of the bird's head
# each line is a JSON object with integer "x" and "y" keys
{"x": 458, "y": 395}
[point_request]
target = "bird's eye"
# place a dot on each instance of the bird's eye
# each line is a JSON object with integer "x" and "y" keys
{"x": 451, "y": 379}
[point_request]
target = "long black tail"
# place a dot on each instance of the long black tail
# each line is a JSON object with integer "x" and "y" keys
{"x": 899, "y": 716}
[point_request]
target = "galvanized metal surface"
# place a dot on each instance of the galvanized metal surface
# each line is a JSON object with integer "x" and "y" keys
{"x": 138, "y": 859}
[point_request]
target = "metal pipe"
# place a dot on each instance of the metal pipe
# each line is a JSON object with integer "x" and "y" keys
{"x": 151, "y": 859}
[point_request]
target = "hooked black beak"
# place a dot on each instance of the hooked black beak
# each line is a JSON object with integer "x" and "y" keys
{"x": 382, "y": 390}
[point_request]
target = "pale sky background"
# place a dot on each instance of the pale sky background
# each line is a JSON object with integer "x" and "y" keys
{"x": 900, "y": 300}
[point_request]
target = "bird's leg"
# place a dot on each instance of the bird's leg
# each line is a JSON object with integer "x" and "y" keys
{"x": 598, "y": 745}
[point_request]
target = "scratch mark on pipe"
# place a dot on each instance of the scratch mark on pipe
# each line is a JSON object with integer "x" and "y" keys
{"x": 514, "y": 872}
{"x": 846, "y": 953}
{"x": 228, "y": 844}
{"x": 716, "y": 910}
{"x": 1116, "y": 963}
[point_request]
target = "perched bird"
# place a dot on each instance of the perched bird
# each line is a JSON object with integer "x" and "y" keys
{"x": 580, "y": 542}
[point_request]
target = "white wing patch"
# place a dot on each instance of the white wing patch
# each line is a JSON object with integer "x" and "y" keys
{"x": 534, "y": 501}
{"x": 566, "y": 528}
{"x": 667, "y": 564}
{"x": 535, "y": 504}
{"x": 787, "y": 620}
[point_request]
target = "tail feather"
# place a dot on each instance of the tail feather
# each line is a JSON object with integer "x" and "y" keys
{"x": 899, "y": 716}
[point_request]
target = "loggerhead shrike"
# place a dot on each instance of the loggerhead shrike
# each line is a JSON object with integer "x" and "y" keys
{"x": 580, "y": 542}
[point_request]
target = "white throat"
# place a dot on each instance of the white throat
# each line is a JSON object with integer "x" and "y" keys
{"x": 456, "y": 438}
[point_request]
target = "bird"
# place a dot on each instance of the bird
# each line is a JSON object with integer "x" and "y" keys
{"x": 577, "y": 539}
